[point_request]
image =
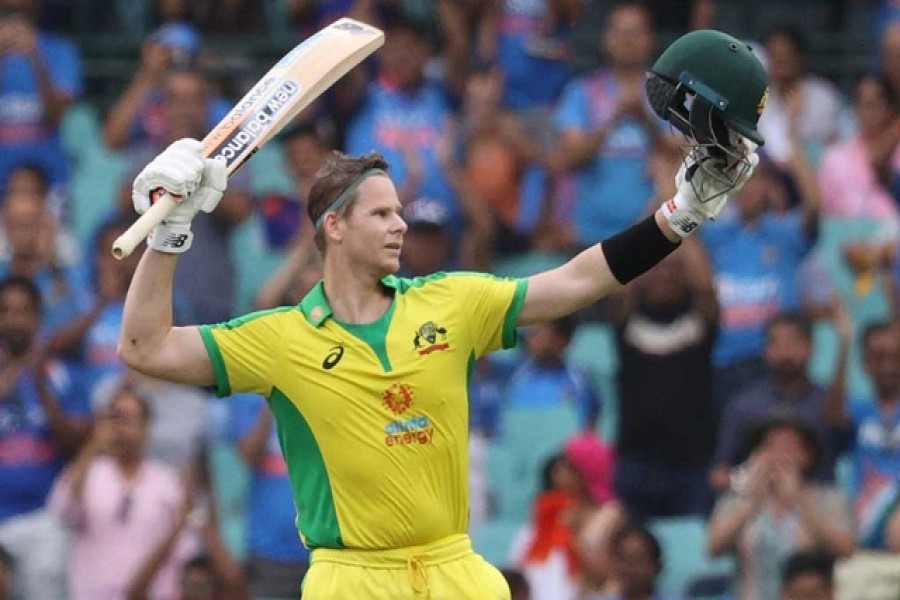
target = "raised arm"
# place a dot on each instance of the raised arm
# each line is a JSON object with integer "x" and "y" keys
{"x": 603, "y": 268}
{"x": 148, "y": 342}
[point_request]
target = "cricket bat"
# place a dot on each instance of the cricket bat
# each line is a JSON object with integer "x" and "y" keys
{"x": 300, "y": 77}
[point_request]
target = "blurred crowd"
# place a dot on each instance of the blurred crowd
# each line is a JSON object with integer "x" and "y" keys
{"x": 749, "y": 385}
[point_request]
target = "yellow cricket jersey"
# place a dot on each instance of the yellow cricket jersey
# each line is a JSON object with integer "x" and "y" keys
{"x": 373, "y": 419}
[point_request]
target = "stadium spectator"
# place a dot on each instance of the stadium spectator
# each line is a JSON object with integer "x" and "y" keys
{"x": 28, "y": 179}
{"x": 138, "y": 115}
{"x": 119, "y": 506}
{"x": 857, "y": 176}
{"x": 427, "y": 247}
{"x": 608, "y": 130}
{"x": 405, "y": 115}
{"x": 637, "y": 564}
{"x": 567, "y": 526}
{"x": 30, "y": 232}
{"x": 665, "y": 329}
{"x": 211, "y": 575}
{"x": 41, "y": 78}
{"x": 545, "y": 380}
{"x": 783, "y": 390}
{"x": 305, "y": 150}
{"x": 797, "y": 100}
{"x": 43, "y": 421}
{"x": 533, "y": 48}
{"x": 91, "y": 339}
{"x": 498, "y": 164}
{"x": 207, "y": 278}
{"x": 874, "y": 426}
{"x": 276, "y": 558}
{"x": 756, "y": 250}
{"x": 808, "y": 576}
{"x": 773, "y": 509}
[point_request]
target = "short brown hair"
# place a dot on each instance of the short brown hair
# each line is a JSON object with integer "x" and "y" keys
{"x": 336, "y": 175}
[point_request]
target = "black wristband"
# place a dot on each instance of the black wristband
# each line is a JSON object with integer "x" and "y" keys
{"x": 634, "y": 251}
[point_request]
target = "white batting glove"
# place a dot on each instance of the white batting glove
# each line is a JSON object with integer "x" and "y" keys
{"x": 196, "y": 183}
{"x": 704, "y": 185}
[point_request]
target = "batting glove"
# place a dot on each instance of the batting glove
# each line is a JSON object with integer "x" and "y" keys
{"x": 196, "y": 183}
{"x": 704, "y": 185}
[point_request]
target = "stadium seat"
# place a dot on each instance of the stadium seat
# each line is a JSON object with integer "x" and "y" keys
{"x": 493, "y": 540}
{"x": 524, "y": 265}
{"x": 529, "y": 437}
{"x": 593, "y": 350}
{"x": 229, "y": 483}
{"x": 507, "y": 483}
{"x": 685, "y": 561}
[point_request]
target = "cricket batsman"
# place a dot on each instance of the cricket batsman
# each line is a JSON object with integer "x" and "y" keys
{"x": 367, "y": 376}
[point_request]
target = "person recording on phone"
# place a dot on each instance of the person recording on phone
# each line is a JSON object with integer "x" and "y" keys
{"x": 118, "y": 506}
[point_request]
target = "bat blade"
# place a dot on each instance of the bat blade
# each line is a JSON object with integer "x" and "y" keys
{"x": 301, "y": 76}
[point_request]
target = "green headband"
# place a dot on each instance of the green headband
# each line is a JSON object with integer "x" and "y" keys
{"x": 343, "y": 196}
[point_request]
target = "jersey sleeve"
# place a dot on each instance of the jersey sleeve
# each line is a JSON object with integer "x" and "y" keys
{"x": 492, "y": 306}
{"x": 572, "y": 112}
{"x": 245, "y": 351}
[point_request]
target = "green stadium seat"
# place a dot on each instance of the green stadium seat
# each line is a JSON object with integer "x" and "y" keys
{"x": 593, "y": 350}
{"x": 507, "y": 480}
{"x": 493, "y": 540}
{"x": 683, "y": 542}
{"x": 524, "y": 265}
{"x": 229, "y": 483}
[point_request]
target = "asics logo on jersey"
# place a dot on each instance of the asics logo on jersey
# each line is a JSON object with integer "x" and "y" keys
{"x": 333, "y": 357}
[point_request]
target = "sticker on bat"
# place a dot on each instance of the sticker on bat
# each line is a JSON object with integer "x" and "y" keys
{"x": 257, "y": 123}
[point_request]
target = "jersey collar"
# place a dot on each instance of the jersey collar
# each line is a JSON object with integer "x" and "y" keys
{"x": 315, "y": 307}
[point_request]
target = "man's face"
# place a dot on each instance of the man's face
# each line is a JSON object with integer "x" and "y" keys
{"x": 185, "y": 104}
{"x": 19, "y": 321}
{"x": 373, "y": 232}
{"x": 664, "y": 286}
{"x": 785, "y": 63}
{"x": 787, "y": 351}
{"x": 25, "y": 224}
{"x": 873, "y": 112}
{"x": 808, "y": 586}
{"x": 635, "y": 567}
{"x": 628, "y": 38}
{"x": 404, "y": 57}
{"x": 881, "y": 357}
{"x": 129, "y": 425}
{"x": 304, "y": 156}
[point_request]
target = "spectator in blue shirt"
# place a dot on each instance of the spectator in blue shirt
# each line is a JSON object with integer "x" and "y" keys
{"x": 40, "y": 75}
{"x": 783, "y": 391}
{"x": 405, "y": 115}
{"x": 545, "y": 380}
{"x": 43, "y": 421}
{"x": 30, "y": 235}
{"x": 756, "y": 250}
{"x": 874, "y": 426}
{"x": 608, "y": 130}
{"x": 276, "y": 558}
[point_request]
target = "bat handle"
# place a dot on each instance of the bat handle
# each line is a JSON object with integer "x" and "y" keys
{"x": 140, "y": 229}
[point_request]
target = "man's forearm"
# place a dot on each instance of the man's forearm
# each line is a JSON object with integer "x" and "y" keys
{"x": 55, "y": 101}
{"x": 148, "y": 306}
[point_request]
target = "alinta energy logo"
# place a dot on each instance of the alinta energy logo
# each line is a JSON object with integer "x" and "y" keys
{"x": 398, "y": 398}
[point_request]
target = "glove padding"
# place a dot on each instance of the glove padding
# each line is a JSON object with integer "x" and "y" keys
{"x": 196, "y": 183}
{"x": 704, "y": 185}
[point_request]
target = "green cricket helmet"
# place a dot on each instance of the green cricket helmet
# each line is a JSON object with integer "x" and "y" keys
{"x": 711, "y": 87}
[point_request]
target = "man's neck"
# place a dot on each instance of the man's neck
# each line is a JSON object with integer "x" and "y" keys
{"x": 129, "y": 465}
{"x": 26, "y": 267}
{"x": 888, "y": 399}
{"x": 791, "y": 387}
{"x": 354, "y": 296}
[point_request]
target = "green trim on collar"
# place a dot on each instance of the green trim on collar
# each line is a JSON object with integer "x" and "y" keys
{"x": 315, "y": 306}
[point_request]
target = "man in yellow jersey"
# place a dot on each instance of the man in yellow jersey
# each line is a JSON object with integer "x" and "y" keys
{"x": 367, "y": 376}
